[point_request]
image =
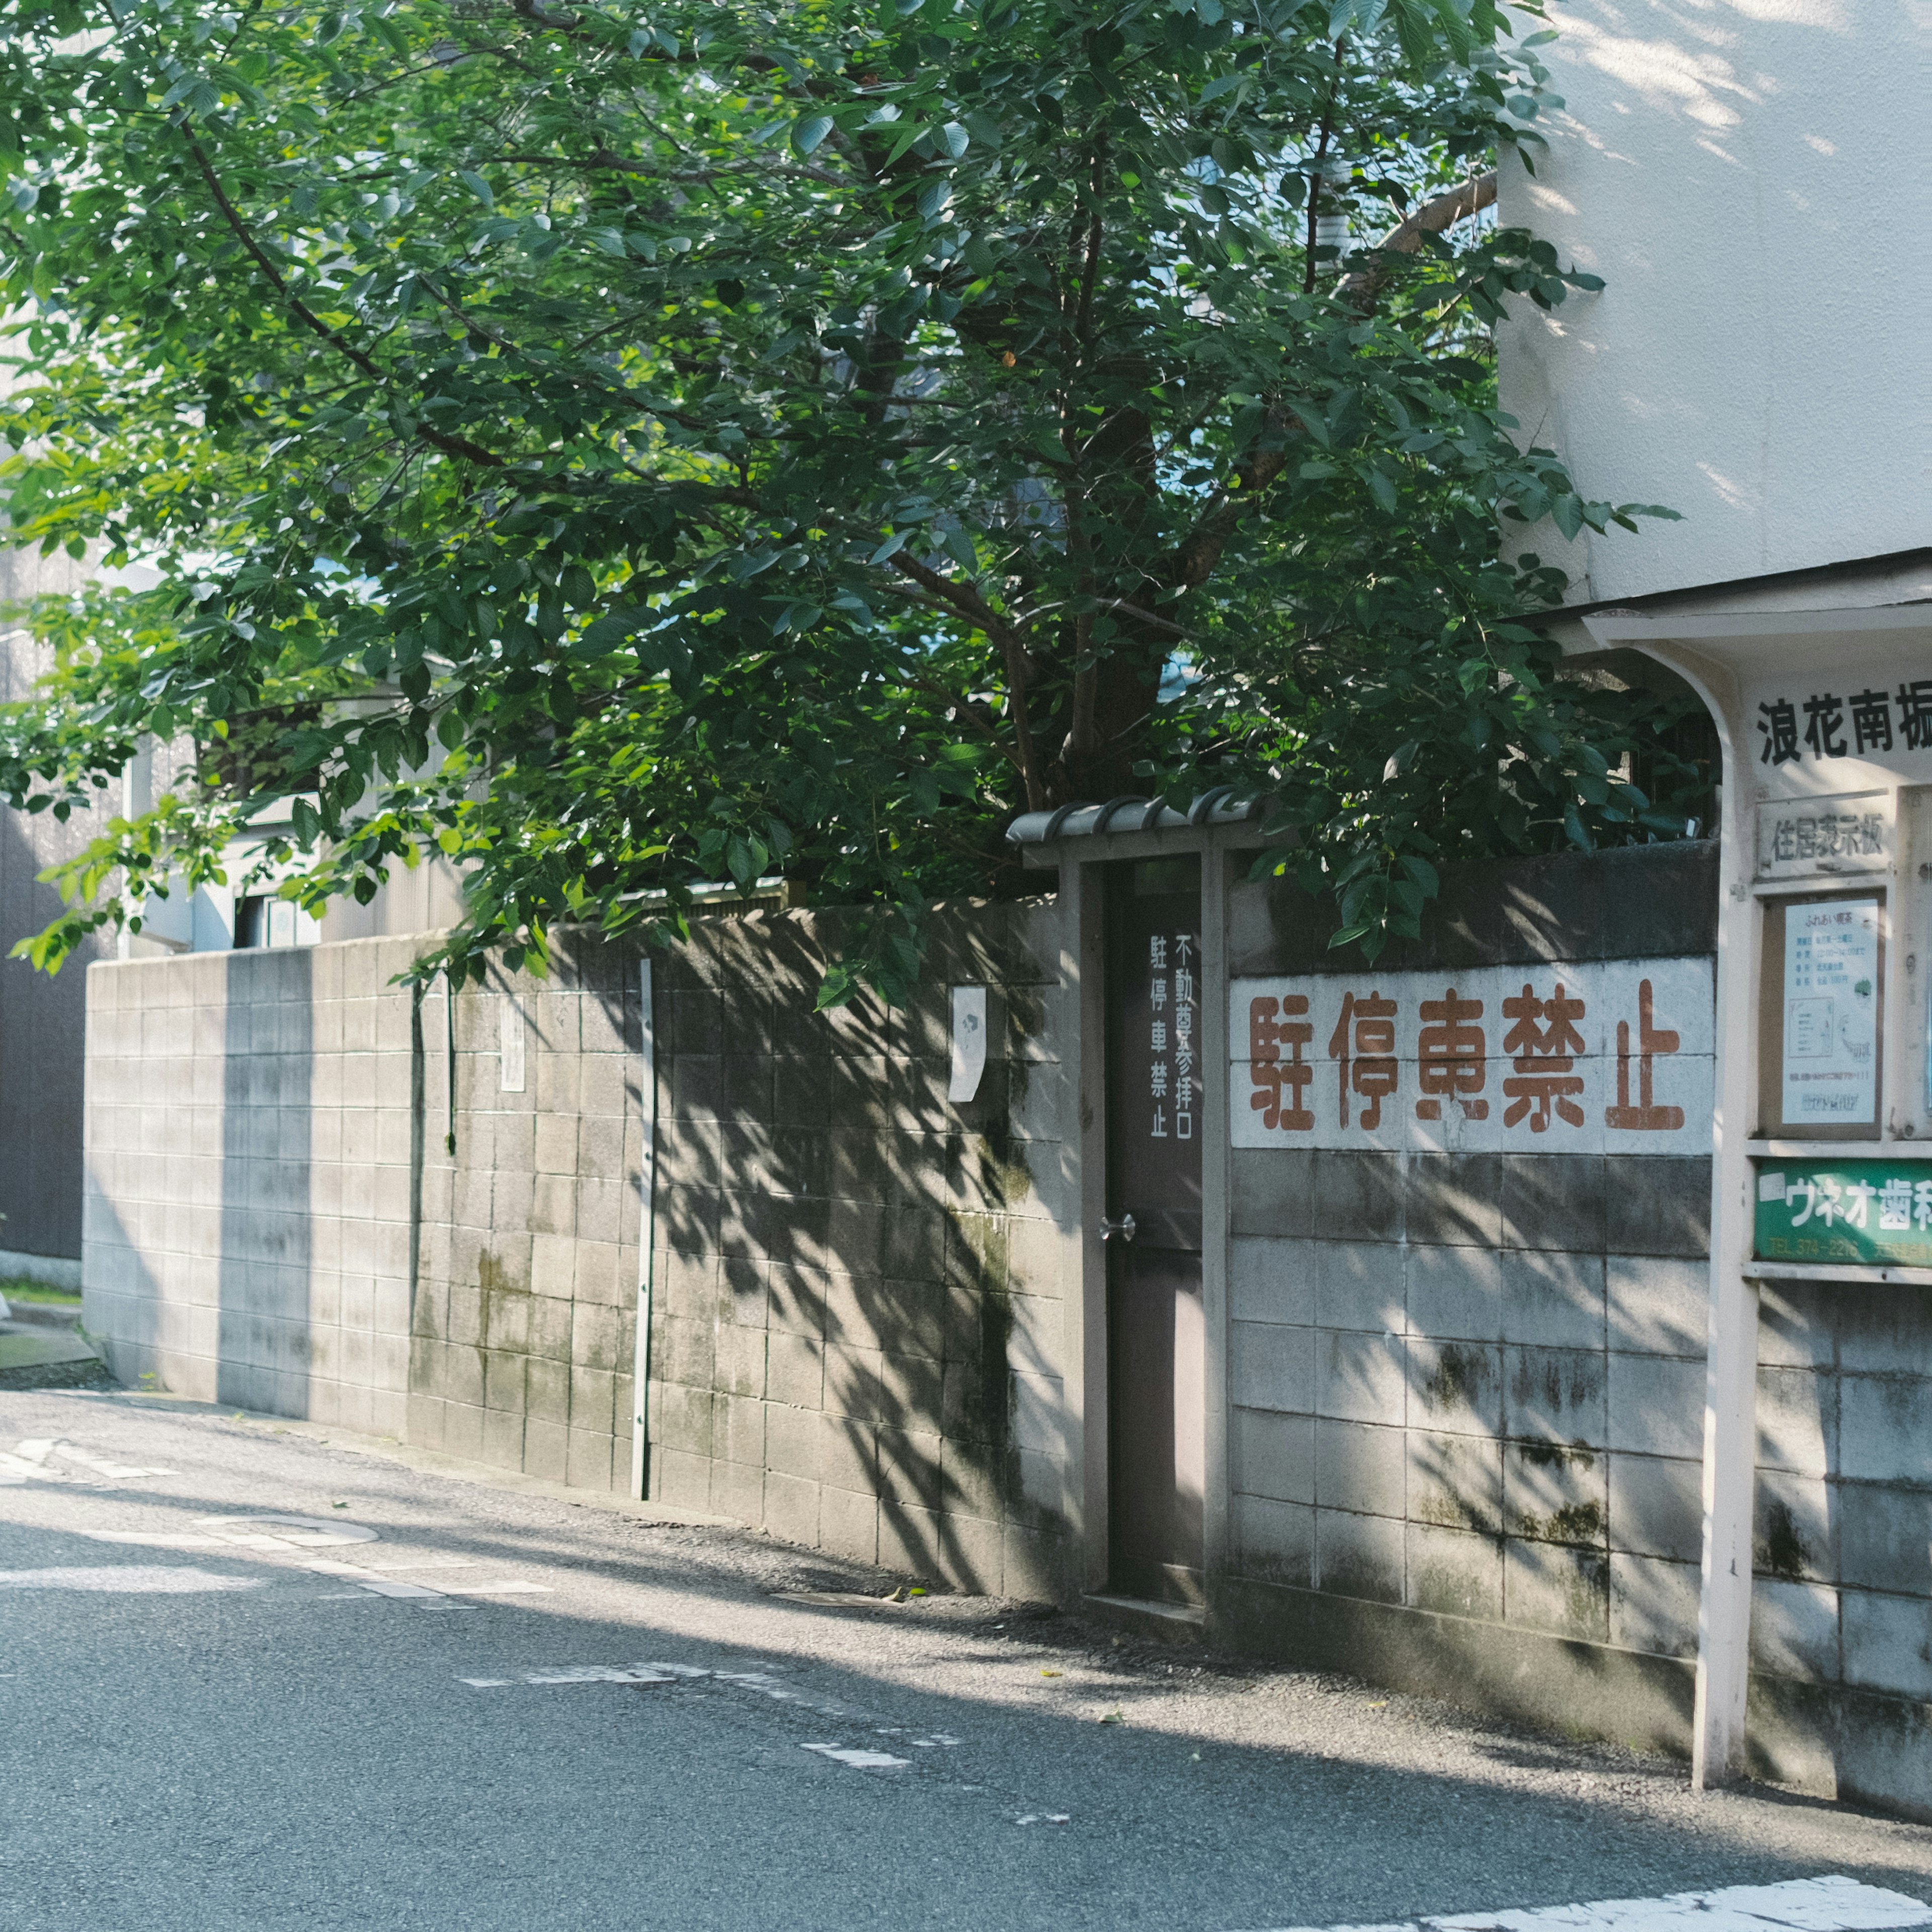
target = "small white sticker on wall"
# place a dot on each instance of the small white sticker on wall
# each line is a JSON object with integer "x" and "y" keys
{"x": 510, "y": 1043}
{"x": 969, "y": 1041}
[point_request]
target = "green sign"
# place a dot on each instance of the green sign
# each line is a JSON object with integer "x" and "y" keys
{"x": 1878, "y": 1212}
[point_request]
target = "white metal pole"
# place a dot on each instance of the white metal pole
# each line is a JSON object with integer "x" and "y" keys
{"x": 640, "y": 1368}
{"x": 1730, "y": 1362}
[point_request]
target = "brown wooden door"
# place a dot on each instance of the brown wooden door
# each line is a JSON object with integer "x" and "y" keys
{"x": 1155, "y": 1366}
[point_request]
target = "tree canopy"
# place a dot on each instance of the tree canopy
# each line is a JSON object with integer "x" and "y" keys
{"x": 616, "y": 448}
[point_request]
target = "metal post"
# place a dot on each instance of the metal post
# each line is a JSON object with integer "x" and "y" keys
{"x": 640, "y": 1368}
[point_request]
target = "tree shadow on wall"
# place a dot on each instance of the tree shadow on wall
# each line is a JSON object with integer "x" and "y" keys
{"x": 840, "y": 1342}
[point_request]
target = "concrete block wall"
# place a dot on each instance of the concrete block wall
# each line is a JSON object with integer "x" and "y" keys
{"x": 522, "y": 1345}
{"x": 247, "y": 1203}
{"x": 1466, "y": 1440}
{"x": 1841, "y": 1612}
{"x": 1468, "y": 1388}
{"x": 1498, "y": 1427}
{"x": 860, "y": 1340}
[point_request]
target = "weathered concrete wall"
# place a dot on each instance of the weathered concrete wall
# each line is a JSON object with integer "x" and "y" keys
{"x": 1466, "y": 1440}
{"x": 858, "y": 1335}
{"x": 1841, "y": 1612}
{"x": 1471, "y": 1383}
{"x": 247, "y": 1177}
{"x": 525, "y": 1310}
{"x": 862, "y": 1345}
{"x": 1466, "y": 1385}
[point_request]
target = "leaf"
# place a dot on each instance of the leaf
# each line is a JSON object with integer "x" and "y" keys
{"x": 628, "y": 627}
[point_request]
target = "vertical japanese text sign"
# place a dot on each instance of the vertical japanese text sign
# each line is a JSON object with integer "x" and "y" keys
{"x": 1173, "y": 1000}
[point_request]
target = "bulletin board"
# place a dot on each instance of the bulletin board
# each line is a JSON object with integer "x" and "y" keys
{"x": 1821, "y": 1042}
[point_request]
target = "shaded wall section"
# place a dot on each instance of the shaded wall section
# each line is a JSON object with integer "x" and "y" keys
{"x": 863, "y": 1285}
{"x": 525, "y": 1318}
{"x": 1466, "y": 1439}
{"x": 859, "y": 1334}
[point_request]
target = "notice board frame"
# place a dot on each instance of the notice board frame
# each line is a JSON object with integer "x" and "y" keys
{"x": 1771, "y": 1125}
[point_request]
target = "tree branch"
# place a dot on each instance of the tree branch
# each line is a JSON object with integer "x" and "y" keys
{"x": 452, "y": 446}
{"x": 1318, "y": 175}
{"x": 604, "y": 158}
{"x": 964, "y": 599}
{"x": 1470, "y": 197}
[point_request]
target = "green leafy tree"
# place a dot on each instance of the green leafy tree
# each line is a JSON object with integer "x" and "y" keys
{"x": 615, "y": 449}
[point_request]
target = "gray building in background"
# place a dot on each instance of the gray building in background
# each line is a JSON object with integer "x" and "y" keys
{"x": 42, "y": 1019}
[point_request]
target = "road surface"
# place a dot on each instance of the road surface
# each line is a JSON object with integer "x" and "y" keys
{"x": 257, "y": 1677}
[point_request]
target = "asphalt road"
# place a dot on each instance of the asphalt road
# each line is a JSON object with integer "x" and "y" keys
{"x": 196, "y": 1732}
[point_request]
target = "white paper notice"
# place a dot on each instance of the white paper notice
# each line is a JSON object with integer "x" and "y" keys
{"x": 969, "y": 1041}
{"x": 1831, "y": 1011}
{"x": 509, "y": 1043}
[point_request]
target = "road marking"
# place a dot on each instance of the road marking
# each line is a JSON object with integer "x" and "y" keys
{"x": 1045, "y": 1818}
{"x": 597, "y": 1673}
{"x": 100, "y": 1465}
{"x": 276, "y": 1532}
{"x": 1835, "y": 1903}
{"x": 380, "y": 1586}
{"x": 581, "y": 1673}
{"x": 425, "y": 1563}
{"x": 140, "y": 1579}
{"x": 28, "y": 1461}
{"x": 157, "y": 1539}
{"x": 860, "y": 1759}
{"x": 769, "y": 1686}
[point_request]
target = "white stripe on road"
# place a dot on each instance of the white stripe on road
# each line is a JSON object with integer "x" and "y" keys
{"x": 582, "y": 1673}
{"x": 67, "y": 1453}
{"x": 139, "y": 1579}
{"x": 382, "y": 1586}
{"x": 156, "y": 1539}
{"x": 860, "y": 1760}
{"x": 597, "y": 1673}
{"x": 1831, "y": 1904}
{"x": 312, "y": 1532}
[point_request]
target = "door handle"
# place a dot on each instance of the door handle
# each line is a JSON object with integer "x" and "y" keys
{"x": 1123, "y": 1227}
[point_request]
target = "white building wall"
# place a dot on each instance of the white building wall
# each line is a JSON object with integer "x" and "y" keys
{"x": 1753, "y": 179}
